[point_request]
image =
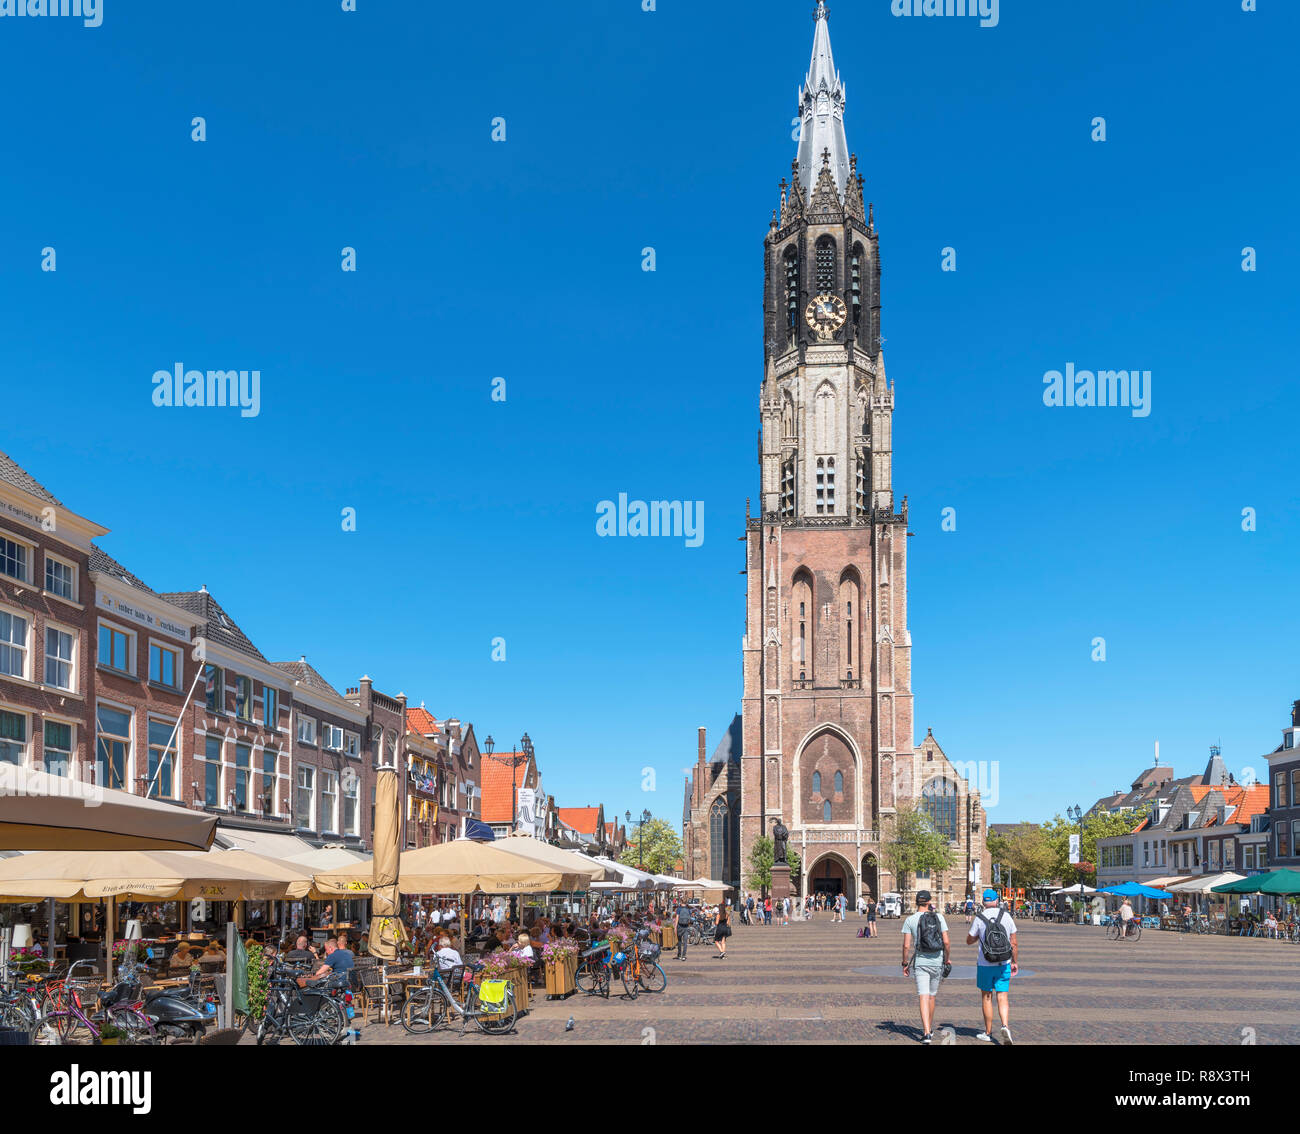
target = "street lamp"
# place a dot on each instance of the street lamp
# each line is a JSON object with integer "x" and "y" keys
{"x": 515, "y": 760}
{"x": 640, "y": 834}
{"x": 1075, "y": 813}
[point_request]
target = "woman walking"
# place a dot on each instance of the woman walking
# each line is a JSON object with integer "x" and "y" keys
{"x": 721, "y": 930}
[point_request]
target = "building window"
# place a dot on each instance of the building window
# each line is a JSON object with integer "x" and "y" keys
{"x": 332, "y": 739}
{"x": 352, "y": 744}
{"x": 817, "y": 783}
{"x": 13, "y": 644}
{"x": 13, "y": 737}
{"x": 269, "y": 756}
{"x": 162, "y": 760}
{"x": 329, "y": 801}
{"x": 1279, "y": 789}
{"x": 307, "y": 730}
{"x": 792, "y": 290}
{"x": 1283, "y": 840}
{"x": 855, "y": 282}
{"x": 163, "y": 669}
{"x": 826, "y": 485}
{"x": 14, "y": 559}
{"x": 112, "y": 748}
{"x": 1295, "y": 787}
{"x": 114, "y": 648}
{"x": 212, "y": 771}
{"x": 270, "y": 707}
{"x": 719, "y": 860}
{"x": 825, "y": 266}
{"x": 787, "y": 488}
{"x": 351, "y": 805}
{"x": 58, "y": 748}
{"x": 214, "y": 685}
{"x": 939, "y": 803}
{"x": 1229, "y": 853}
{"x": 244, "y": 698}
{"x": 1248, "y": 858}
{"x": 1212, "y": 854}
{"x": 304, "y": 803}
{"x": 839, "y": 783}
{"x": 243, "y": 768}
{"x": 826, "y": 810}
{"x": 60, "y": 578}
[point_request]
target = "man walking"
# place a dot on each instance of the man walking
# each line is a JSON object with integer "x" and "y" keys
{"x": 681, "y": 921}
{"x": 994, "y": 930}
{"x": 926, "y": 952}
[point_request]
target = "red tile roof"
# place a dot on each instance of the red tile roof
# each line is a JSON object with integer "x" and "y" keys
{"x": 584, "y": 820}
{"x": 1250, "y": 801}
{"x": 495, "y": 783}
{"x": 421, "y": 721}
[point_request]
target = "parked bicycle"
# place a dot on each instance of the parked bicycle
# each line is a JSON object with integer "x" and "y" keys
{"x": 311, "y": 1016}
{"x": 433, "y": 1003}
{"x": 1132, "y": 929}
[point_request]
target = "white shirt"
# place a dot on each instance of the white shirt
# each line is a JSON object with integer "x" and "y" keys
{"x": 977, "y": 928}
{"x": 448, "y": 958}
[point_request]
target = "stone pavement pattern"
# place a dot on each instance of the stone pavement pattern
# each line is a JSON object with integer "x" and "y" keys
{"x": 798, "y": 984}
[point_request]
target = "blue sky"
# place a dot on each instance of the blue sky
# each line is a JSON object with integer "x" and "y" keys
{"x": 522, "y": 259}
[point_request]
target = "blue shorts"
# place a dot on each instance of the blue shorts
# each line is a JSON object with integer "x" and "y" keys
{"x": 993, "y": 978}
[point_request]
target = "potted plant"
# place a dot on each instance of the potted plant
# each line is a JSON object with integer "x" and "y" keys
{"x": 110, "y": 1035}
{"x": 560, "y": 959}
{"x": 507, "y": 965}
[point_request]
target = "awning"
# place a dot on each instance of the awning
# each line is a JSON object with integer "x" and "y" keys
{"x": 1205, "y": 884}
{"x": 626, "y": 877}
{"x": 1170, "y": 882}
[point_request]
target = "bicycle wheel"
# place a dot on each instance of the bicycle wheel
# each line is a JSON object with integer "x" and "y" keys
{"x": 423, "y": 1011}
{"x": 1135, "y": 931}
{"x": 600, "y": 982}
{"x": 653, "y": 978}
{"x": 498, "y": 1023}
{"x": 320, "y": 1028}
{"x": 1112, "y": 931}
{"x": 584, "y": 978}
{"x": 630, "y": 985}
{"x": 134, "y": 1027}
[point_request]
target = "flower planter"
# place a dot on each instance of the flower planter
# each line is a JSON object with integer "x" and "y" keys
{"x": 666, "y": 938}
{"x": 518, "y": 978}
{"x": 561, "y": 977}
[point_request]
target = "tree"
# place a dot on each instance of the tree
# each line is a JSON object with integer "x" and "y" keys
{"x": 1096, "y": 825}
{"x": 915, "y": 846}
{"x": 761, "y": 857}
{"x": 1026, "y": 855}
{"x": 656, "y": 847}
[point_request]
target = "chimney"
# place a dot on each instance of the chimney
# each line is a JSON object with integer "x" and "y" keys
{"x": 702, "y": 747}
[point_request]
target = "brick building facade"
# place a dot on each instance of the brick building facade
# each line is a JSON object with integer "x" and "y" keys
{"x": 711, "y": 811}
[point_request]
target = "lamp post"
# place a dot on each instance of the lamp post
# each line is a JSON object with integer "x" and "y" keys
{"x": 640, "y": 835}
{"x": 515, "y": 760}
{"x": 1075, "y": 813}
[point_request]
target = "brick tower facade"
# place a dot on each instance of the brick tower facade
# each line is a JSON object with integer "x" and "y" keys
{"x": 827, "y": 712}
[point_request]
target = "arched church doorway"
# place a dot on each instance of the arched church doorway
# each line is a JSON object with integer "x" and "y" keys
{"x": 831, "y": 875}
{"x": 870, "y": 877}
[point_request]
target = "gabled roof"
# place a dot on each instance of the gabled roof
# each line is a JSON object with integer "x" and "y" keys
{"x": 584, "y": 820}
{"x": 729, "y": 748}
{"x": 302, "y": 671}
{"x": 421, "y": 722}
{"x": 497, "y": 781}
{"x": 218, "y": 625}
{"x": 104, "y": 563}
{"x": 11, "y": 472}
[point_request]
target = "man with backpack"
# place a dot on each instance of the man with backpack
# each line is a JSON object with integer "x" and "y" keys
{"x": 926, "y": 952}
{"x": 998, "y": 961}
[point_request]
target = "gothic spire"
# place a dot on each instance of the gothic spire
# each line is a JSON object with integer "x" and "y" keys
{"x": 821, "y": 111}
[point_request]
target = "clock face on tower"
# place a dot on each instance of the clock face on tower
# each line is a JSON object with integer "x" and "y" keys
{"x": 826, "y": 314}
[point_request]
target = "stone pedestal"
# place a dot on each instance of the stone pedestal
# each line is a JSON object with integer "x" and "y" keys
{"x": 781, "y": 883}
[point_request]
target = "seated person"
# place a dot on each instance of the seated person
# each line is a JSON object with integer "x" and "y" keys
{"x": 524, "y": 947}
{"x": 301, "y": 953}
{"x": 447, "y": 957}
{"x": 335, "y": 961}
{"x": 180, "y": 960}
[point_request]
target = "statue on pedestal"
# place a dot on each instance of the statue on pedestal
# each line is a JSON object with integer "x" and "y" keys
{"x": 780, "y": 836}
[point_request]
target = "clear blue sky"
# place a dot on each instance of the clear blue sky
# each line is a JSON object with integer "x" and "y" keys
{"x": 478, "y": 259}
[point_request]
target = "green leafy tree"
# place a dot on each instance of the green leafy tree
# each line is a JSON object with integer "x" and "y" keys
{"x": 796, "y": 866}
{"x": 658, "y": 842}
{"x": 914, "y": 846}
{"x": 1096, "y": 826}
{"x": 1026, "y": 855}
{"x": 259, "y": 975}
{"x": 761, "y": 858}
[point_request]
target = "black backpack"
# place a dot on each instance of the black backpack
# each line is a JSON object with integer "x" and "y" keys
{"x": 997, "y": 942}
{"x": 929, "y": 934}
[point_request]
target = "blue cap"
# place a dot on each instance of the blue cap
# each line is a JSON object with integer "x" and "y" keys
{"x": 990, "y": 895}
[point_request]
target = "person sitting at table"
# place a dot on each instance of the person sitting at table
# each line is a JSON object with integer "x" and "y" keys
{"x": 336, "y": 960}
{"x": 447, "y": 957}
{"x": 180, "y": 960}
{"x": 524, "y": 946}
{"x": 301, "y": 953}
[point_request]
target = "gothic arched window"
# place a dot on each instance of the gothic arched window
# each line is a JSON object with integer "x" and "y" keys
{"x": 825, "y": 266}
{"x": 939, "y": 804}
{"x": 817, "y": 783}
{"x": 855, "y": 282}
{"x": 826, "y": 485}
{"x": 839, "y": 783}
{"x": 718, "y": 857}
{"x": 826, "y": 811}
{"x": 792, "y": 289}
{"x": 801, "y": 630}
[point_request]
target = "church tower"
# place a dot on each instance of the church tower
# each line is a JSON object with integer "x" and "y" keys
{"x": 827, "y": 713}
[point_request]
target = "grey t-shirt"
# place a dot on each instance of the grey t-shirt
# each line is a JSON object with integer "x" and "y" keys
{"x": 912, "y": 925}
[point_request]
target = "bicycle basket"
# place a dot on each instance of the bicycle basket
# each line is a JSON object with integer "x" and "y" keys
{"x": 650, "y": 951}
{"x": 492, "y": 995}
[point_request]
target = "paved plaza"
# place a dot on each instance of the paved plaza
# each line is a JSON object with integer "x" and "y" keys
{"x": 819, "y": 983}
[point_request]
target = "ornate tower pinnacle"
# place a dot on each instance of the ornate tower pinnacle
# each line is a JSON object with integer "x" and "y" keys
{"x": 821, "y": 111}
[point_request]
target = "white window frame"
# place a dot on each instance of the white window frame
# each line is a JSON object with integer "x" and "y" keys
{"x": 132, "y": 645}
{"x": 25, "y": 756}
{"x": 26, "y": 646}
{"x": 30, "y": 567}
{"x": 247, "y": 714}
{"x": 310, "y": 772}
{"x": 352, "y": 744}
{"x": 174, "y": 752}
{"x": 331, "y": 737}
{"x": 133, "y": 753}
{"x": 303, "y": 719}
{"x": 329, "y": 823}
{"x": 177, "y": 668}
{"x": 269, "y": 719}
{"x": 71, "y": 567}
{"x": 72, "y": 752}
{"x": 71, "y": 660}
{"x": 355, "y": 795}
{"x": 220, "y": 763}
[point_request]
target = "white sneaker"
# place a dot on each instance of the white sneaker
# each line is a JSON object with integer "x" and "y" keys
{"x": 1004, "y": 1034}
{"x": 984, "y": 1036}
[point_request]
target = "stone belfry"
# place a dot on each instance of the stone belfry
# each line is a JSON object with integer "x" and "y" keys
{"x": 827, "y": 715}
